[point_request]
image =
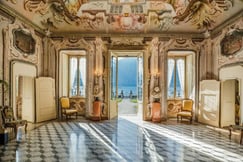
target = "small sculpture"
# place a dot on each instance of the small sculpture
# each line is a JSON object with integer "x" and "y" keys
{"x": 97, "y": 91}
{"x": 156, "y": 93}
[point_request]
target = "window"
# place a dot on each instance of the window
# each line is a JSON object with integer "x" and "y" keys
{"x": 176, "y": 77}
{"x": 77, "y": 76}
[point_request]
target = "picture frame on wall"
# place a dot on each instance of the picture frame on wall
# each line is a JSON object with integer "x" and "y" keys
{"x": 23, "y": 41}
{"x": 232, "y": 43}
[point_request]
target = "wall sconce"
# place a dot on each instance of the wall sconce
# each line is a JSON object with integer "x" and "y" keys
{"x": 155, "y": 75}
{"x": 98, "y": 73}
{"x": 126, "y": 14}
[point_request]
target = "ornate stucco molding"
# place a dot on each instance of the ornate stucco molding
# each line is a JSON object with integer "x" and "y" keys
{"x": 126, "y": 42}
{"x": 176, "y": 44}
{"x": 154, "y": 76}
{"x": 98, "y": 66}
{"x": 155, "y": 88}
{"x": 17, "y": 54}
{"x": 74, "y": 43}
{"x": 4, "y": 20}
{"x": 12, "y": 53}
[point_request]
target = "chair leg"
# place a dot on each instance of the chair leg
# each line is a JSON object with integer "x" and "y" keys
{"x": 230, "y": 130}
{"x": 177, "y": 118}
{"x": 15, "y": 131}
{"x": 25, "y": 128}
{"x": 241, "y": 136}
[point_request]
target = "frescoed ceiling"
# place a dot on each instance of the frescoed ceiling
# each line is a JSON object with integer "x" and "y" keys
{"x": 125, "y": 16}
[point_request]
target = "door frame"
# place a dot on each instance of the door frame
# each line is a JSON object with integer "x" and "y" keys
{"x": 232, "y": 72}
{"x": 125, "y": 53}
{"x": 20, "y": 68}
{"x": 224, "y": 108}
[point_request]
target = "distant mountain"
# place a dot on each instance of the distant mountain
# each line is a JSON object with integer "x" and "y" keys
{"x": 127, "y": 72}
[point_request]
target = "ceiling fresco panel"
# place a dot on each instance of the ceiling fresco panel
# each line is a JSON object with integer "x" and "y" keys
{"x": 125, "y": 16}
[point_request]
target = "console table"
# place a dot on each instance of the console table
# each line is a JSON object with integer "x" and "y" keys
{"x": 237, "y": 127}
{"x": 156, "y": 113}
{"x": 96, "y": 110}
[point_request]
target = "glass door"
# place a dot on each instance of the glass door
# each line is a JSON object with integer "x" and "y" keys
{"x": 140, "y": 79}
{"x": 140, "y": 85}
{"x": 113, "y": 87}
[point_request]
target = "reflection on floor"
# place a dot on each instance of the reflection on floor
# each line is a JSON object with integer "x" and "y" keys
{"x": 124, "y": 139}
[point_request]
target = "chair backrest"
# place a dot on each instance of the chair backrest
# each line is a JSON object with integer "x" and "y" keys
{"x": 65, "y": 104}
{"x": 187, "y": 105}
{"x": 7, "y": 114}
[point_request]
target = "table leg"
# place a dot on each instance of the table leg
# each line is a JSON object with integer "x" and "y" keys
{"x": 230, "y": 129}
{"x": 241, "y": 136}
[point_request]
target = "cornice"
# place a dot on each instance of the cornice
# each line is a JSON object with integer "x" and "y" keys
{"x": 6, "y": 15}
{"x": 215, "y": 32}
{"x": 9, "y": 13}
{"x": 131, "y": 35}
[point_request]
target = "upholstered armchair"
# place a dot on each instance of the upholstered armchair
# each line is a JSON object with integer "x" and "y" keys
{"x": 186, "y": 110}
{"x": 10, "y": 122}
{"x": 66, "y": 110}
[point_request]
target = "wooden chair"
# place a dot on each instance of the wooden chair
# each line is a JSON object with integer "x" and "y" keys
{"x": 66, "y": 109}
{"x": 186, "y": 110}
{"x": 10, "y": 122}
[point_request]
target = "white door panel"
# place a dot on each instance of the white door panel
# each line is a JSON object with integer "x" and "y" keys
{"x": 113, "y": 87}
{"x": 28, "y": 99}
{"x": 113, "y": 109}
{"x": 45, "y": 99}
{"x": 209, "y": 102}
{"x": 228, "y": 103}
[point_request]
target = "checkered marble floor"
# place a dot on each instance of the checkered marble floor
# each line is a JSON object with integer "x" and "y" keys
{"x": 121, "y": 140}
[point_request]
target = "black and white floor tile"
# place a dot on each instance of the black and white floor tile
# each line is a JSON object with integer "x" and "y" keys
{"x": 121, "y": 140}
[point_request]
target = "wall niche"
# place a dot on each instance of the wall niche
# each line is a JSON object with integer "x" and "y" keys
{"x": 23, "y": 41}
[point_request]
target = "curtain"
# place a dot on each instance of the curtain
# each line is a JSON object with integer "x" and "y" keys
{"x": 73, "y": 76}
{"x": 181, "y": 74}
{"x": 82, "y": 72}
{"x": 171, "y": 65}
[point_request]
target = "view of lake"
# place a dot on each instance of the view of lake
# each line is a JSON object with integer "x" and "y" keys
{"x": 126, "y": 90}
{"x": 127, "y": 76}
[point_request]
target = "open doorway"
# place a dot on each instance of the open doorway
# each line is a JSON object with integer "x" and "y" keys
{"x": 230, "y": 102}
{"x": 127, "y": 85}
{"x": 231, "y": 95}
{"x": 126, "y": 80}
